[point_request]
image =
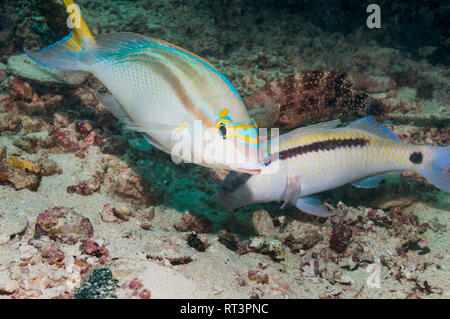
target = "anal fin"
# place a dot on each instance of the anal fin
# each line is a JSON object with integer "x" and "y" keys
{"x": 313, "y": 206}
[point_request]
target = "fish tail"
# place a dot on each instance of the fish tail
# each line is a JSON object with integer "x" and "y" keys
{"x": 438, "y": 172}
{"x": 65, "y": 54}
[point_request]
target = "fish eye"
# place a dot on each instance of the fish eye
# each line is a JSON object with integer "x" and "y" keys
{"x": 223, "y": 130}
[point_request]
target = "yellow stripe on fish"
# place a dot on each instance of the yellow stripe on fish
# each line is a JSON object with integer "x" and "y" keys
{"x": 315, "y": 159}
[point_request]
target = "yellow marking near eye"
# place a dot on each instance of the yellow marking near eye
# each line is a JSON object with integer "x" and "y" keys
{"x": 180, "y": 128}
{"x": 224, "y": 112}
{"x": 245, "y": 138}
{"x": 242, "y": 126}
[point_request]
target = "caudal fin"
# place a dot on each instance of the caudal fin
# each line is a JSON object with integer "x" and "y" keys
{"x": 65, "y": 54}
{"x": 438, "y": 173}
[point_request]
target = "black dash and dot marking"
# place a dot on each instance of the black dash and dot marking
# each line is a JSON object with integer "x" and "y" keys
{"x": 327, "y": 145}
{"x": 416, "y": 157}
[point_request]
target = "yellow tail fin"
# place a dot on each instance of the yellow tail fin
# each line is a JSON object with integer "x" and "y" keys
{"x": 80, "y": 29}
{"x": 66, "y": 53}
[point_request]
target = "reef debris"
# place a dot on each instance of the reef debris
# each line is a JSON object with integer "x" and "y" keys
{"x": 23, "y": 173}
{"x": 263, "y": 223}
{"x": 190, "y": 222}
{"x": 121, "y": 182}
{"x": 232, "y": 242}
{"x": 268, "y": 246}
{"x": 63, "y": 225}
{"x": 91, "y": 247}
{"x": 174, "y": 250}
{"x": 195, "y": 242}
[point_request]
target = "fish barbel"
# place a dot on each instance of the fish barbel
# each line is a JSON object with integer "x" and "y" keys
{"x": 313, "y": 159}
{"x": 162, "y": 91}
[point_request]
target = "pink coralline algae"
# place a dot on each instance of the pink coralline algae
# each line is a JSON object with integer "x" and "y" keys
{"x": 87, "y": 133}
{"x": 81, "y": 188}
{"x": 64, "y": 225}
{"x": 50, "y": 252}
{"x": 314, "y": 97}
{"x": 107, "y": 214}
{"x": 340, "y": 237}
{"x": 92, "y": 248}
{"x": 65, "y": 139}
{"x": 137, "y": 289}
{"x": 20, "y": 90}
{"x": 22, "y": 98}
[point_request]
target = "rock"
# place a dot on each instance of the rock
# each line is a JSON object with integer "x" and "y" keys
{"x": 107, "y": 214}
{"x": 60, "y": 120}
{"x": 308, "y": 241}
{"x": 145, "y": 217}
{"x": 401, "y": 202}
{"x": 269, "y": 246}
{"x": 19, "y": 90}
{"x": 9, "y": 123}
{"x": 11, "y": 225}
{"x": 48, "y": 167}
{"x": 23, "y": 67}
{"x": 27, "y": 144}
{"x": 22, "y": 173}
{"x": 346, "y": 279}
{"x": 263, "y": 223}
{"x": 172, "y": 249}
{"x": 7, "y": 285}
{"x": 233, "y": 242}
{"x": 3, "y": 73}
{"x": 93, "y": 248}
{"x": 32, "y": 125}
{"x": 195, "y": 242}
{"x": 340, "y": 238}
{"x": 199, "y": 224}
{"x": 65, "y": 139}
{"x": 21, "y": 180}
{"x": 64, "y": 225}
{"x": 121, "y": 182}
{"x": 2, "y": 152}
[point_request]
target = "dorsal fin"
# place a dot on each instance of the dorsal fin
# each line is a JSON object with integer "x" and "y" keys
{"x": 313, "y": 128}
{"x": 370, "y": 125}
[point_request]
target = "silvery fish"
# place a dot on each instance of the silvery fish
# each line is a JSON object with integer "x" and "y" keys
{"x": 313, "y": 159}
{"x": 171, "y": 95}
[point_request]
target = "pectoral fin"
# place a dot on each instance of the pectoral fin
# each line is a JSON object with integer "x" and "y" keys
{"x": 372, "y": 181}
{"x": 253, "y": 112}
{"x": 114, "y": 107}
{"x": 313, "y": 206}
{"x": 144, "y": 127}
{"x": 292, "y": 191}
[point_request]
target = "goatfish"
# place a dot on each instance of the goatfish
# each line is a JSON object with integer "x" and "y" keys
{"x": 317, "y": 158}
{"x": 163, "y": 91}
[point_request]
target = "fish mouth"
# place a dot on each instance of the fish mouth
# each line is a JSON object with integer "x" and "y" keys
{"x": 252, "y": 168}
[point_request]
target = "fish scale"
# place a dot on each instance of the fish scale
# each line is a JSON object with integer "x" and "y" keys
{"x": 314, "y": 159}
{"x": 165, "y": 92}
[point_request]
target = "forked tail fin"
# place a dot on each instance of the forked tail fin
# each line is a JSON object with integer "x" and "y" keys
{"x": 65, "y": 53}
{"x": 438, "y": 173}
